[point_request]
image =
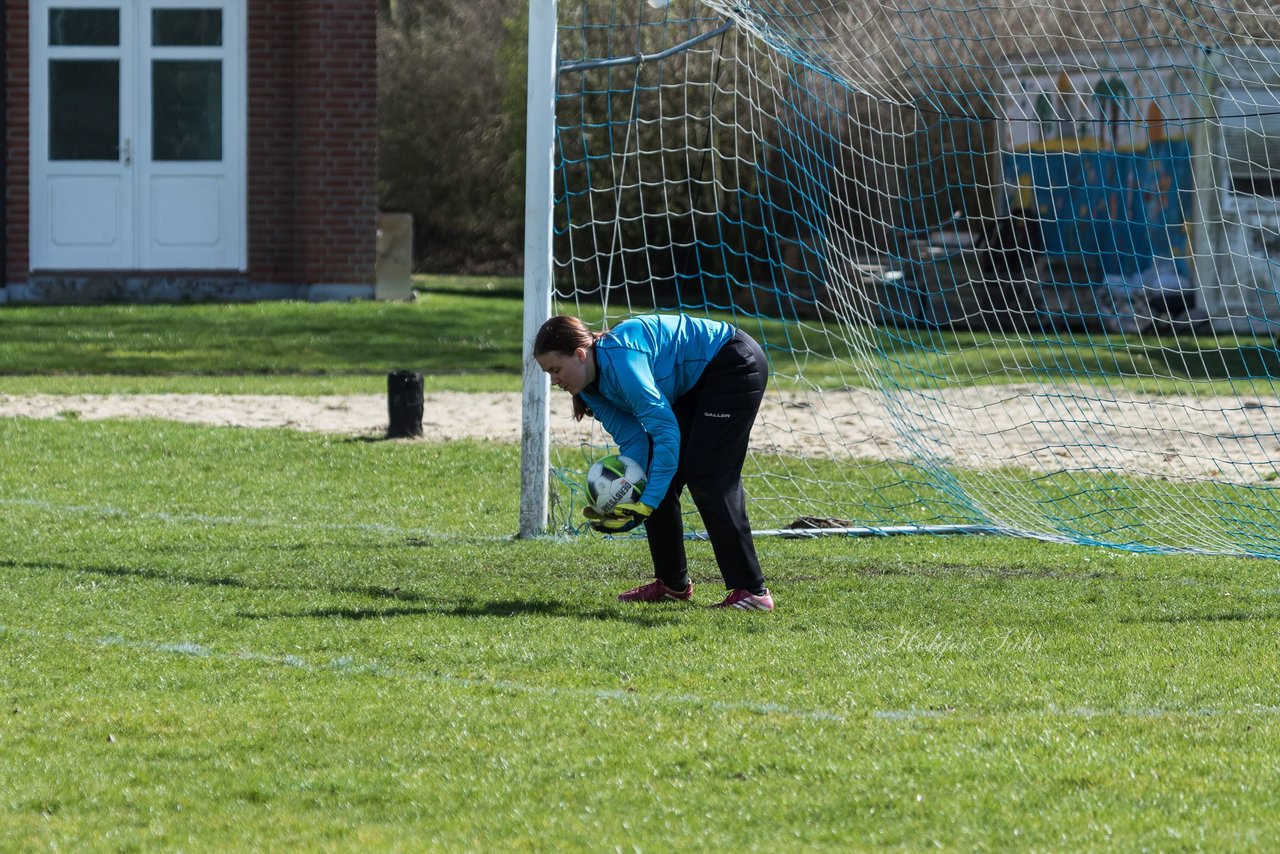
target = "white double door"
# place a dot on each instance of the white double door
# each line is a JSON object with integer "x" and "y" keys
{"x": 138, "y": 134}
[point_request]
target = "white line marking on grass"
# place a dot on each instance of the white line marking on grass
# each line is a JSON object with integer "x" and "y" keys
{"x": 907, "y": 714}
{"x": 348, "y": 665}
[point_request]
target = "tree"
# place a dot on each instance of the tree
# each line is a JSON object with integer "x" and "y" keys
{"x": 451, "y": 128}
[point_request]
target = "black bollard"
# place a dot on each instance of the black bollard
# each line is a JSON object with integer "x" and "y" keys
{"x": 404, "y": 404}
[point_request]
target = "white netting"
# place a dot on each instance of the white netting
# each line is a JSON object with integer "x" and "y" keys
{"x": 1015, "y": 265}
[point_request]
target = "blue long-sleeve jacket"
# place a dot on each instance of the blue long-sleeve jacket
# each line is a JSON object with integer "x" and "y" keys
{"x": 642, "y": 365}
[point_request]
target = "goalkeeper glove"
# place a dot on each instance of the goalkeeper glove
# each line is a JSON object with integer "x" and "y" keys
{"x": 625, "y": 517}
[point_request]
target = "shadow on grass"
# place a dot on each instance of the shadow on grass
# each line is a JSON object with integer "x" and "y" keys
{"x": 1226, "y": 617}
{"x": 122, "y": 572}
{"x": 474, "y": 610}
{"x": 372, "y": 591}
{"x": 1257, "y": 361}
{"x": 500, "y": 292}
{"x": 432, "y": 606}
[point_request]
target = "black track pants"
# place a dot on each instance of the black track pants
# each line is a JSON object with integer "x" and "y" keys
{"x": 715, "y": 418}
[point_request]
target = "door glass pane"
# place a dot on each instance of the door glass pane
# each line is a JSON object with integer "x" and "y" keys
{"x": 186, "y": 27}
{"x": 84, "y": 27}
{"x": 186, "y": 103}
{"x": 84, "y": 109}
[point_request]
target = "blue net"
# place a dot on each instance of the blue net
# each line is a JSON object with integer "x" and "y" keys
{"x": 1015, "y": 266}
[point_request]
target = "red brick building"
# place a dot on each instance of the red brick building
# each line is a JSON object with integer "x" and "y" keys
{"x": 160, "y": 150}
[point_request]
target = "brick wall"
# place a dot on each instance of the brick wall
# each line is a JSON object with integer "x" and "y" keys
{"x": 336, "y": 139}
{"x": 272, "y": 199}
{"x": 312, "y": 112}
{"x": 312, "y": 140}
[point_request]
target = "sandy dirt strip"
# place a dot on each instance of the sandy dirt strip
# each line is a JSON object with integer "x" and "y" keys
{"x": 1030, "y": 426}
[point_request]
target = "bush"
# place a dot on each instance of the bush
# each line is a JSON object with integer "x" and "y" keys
{"x": 451, "y": 130}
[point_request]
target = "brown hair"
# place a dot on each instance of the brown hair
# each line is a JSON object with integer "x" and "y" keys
{"x": 565, "y": 334}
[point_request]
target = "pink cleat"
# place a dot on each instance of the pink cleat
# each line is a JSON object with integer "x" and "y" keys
{"x": 656, "y": 591}
{"x": 745, "y": 600}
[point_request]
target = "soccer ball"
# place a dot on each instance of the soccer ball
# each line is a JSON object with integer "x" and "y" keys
{"x": 614, "y": 480}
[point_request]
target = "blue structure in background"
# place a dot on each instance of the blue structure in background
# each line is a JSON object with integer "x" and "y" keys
{"x": 1099, "y": 146}
{"x": 1121, "y": 209}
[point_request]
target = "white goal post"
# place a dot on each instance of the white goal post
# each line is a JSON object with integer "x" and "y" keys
{"x": 535, "y": 420}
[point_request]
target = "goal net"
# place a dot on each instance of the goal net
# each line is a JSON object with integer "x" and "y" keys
{"x": 1015, "y": 265}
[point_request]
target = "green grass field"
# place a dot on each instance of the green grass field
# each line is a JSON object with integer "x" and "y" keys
{"x": 465, "y": 335}
{"x": 229, "y": 639}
